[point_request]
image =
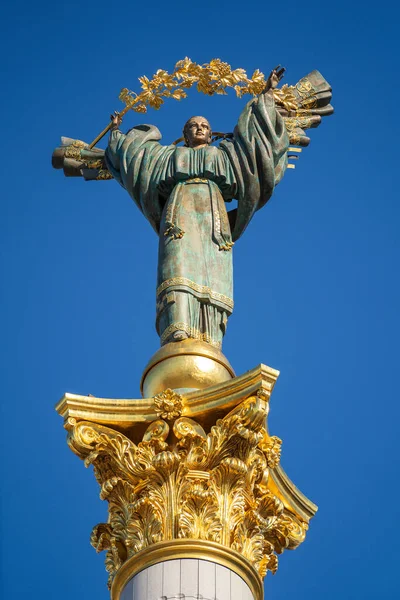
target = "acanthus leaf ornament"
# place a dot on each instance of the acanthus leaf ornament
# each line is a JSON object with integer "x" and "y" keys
{"x": 194, "y": 485}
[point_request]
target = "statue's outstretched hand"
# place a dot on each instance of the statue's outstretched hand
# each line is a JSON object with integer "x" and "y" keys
{"x": 116, "y": 120}
{"x": 274, "y": 78}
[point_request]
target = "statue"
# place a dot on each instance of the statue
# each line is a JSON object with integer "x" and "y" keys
{"x": 183, "y": 192}
{"x": 190, "y": 470}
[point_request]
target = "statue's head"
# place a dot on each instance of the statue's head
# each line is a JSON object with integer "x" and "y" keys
{"x": 197, "y": 132}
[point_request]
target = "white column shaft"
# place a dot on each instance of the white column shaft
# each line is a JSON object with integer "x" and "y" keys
{"x": 186, "y": 579}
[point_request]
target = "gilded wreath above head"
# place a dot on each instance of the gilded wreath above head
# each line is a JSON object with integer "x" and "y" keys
{"x": 301, "y": 105}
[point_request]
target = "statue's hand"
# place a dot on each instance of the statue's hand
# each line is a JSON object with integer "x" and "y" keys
{"x": 274, "y": 78}
{"x": 116, "y": 120}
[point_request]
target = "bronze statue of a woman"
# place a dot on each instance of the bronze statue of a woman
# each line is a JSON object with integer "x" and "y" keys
{"x": 183, "y": 191}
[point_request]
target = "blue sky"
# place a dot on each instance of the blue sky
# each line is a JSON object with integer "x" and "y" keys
{"x": 316, "y": 277}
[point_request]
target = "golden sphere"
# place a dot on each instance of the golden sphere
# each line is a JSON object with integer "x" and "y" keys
{"x": 187, "y": 365}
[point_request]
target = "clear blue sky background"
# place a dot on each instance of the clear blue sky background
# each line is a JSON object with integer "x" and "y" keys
{"x": 316, "y": 277}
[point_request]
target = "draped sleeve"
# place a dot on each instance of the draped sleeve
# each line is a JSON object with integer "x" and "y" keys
{"x": 139, "y": 163}
{"x": 258, "y": 155}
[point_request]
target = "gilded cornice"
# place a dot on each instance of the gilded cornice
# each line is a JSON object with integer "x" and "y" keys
{"x": 124, "y": 413}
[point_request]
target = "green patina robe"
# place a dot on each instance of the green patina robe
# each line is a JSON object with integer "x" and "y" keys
{"x": 182, "y": 193}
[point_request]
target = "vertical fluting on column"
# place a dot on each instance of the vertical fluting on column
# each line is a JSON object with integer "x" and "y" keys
{"x": 186, "y": 579}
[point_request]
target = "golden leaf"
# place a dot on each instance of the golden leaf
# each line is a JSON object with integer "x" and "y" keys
{"x": 183, "y": 64}
{"x": 258, "y": 76}
{"x": 140, "y": 108}
{"x": 124, "y": 93}
{"x": 155, "y": 101}
{"x": 144, "y": 81}
{"x": 178, "y": 94}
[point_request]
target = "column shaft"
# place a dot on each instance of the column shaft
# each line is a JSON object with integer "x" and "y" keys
{"x": 186, "y": 579}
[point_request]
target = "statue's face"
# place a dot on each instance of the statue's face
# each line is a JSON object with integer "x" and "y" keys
{"x": 197, "y": 132}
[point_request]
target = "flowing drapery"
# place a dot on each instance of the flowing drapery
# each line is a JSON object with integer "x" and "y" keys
{"x": 182, "y": 193}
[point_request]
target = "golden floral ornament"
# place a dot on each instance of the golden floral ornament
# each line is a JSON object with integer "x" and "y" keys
{"x": 168, "y": 404}
{"x": 294, "y": 102}
{"x": 214, "y": 77}
{"x": 213, "y": 486}
{"x": 210, "y": 78}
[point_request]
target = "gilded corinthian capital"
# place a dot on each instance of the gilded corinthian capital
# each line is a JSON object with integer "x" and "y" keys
{"x": 200, "y": 472}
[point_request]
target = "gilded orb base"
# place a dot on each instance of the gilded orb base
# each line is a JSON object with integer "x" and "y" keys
{"x": 185, "y": 366}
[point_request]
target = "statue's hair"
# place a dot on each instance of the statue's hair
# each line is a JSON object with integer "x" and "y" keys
{"x": 185, "y": 127}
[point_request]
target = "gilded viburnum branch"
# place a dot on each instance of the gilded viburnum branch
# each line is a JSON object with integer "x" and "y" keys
{"x": 214, "y": 77}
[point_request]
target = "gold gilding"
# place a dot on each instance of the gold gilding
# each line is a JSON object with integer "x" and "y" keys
{"x": 133, "y": 413}
{"x": 191, "y": 485}
{"x": 195, "y": 474}
{"x": 189, "y": 364}
{"x": 168, "y": 404}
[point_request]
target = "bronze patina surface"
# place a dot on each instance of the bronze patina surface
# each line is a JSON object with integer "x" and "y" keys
{"x": 184, "y": 191}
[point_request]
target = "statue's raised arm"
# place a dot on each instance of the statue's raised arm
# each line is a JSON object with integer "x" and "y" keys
{"x": 258, "y": 154}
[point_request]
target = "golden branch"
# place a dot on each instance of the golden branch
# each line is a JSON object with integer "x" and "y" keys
{"x": 210, "y": 78}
